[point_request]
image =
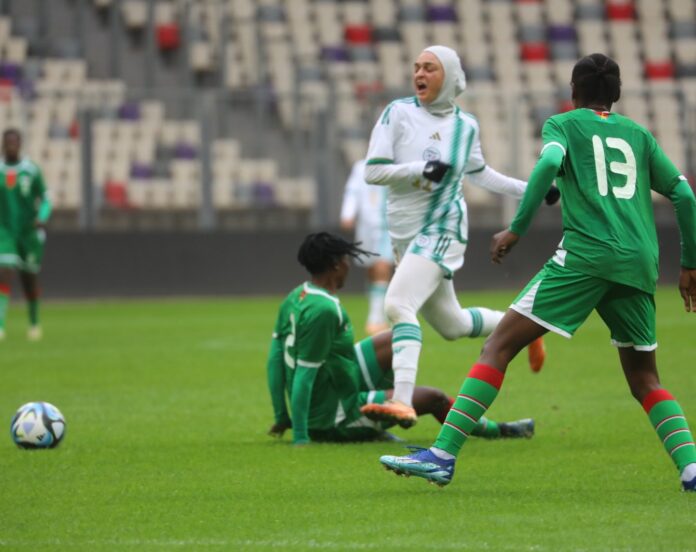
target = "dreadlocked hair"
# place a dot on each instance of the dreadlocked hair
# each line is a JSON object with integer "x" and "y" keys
{"x": 321, "y": 251}
{"x": 597, "y": 79}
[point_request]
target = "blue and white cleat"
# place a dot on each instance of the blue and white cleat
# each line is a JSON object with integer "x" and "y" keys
{"x": 421, "y": 463}
{"x": 689, "y": 486}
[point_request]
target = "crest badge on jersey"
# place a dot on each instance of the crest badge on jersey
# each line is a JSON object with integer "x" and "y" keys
{"x": 11, "y": 179}
{"x": 431, "y": 154}
{"x": 422, "y": 240}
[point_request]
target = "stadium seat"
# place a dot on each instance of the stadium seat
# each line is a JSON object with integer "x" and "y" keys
{"x": 534, "y": 51}
{"x": 620, "y": 10}
{"x": 168, "y": 36}
{"x": 655, "y": 70}
{"x": 134, "y": 14}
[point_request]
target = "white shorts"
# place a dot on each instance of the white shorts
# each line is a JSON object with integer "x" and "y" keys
{"x": 445, "y": 250}
{"x": 375, "y": 240}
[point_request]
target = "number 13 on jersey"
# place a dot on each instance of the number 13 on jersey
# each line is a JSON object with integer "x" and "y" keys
{"x": 626, "y": 168}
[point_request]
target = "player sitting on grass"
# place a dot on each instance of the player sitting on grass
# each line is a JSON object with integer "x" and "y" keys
{"x": 326, "y": 376}
{"x": 606, "y": 167}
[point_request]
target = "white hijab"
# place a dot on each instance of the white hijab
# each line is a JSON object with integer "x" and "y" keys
{"x": 453, "y": 84}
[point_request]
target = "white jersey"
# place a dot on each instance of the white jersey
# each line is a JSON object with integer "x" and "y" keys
{"x": 407, "y": 136}
{"x": 367, "y": 206}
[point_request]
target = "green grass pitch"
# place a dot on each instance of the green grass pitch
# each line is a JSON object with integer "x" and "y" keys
{"x": 166, "y": 446}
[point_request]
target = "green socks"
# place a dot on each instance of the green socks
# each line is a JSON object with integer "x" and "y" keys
{"x": 668, "y": 420}
{"x": 478, "y": 392}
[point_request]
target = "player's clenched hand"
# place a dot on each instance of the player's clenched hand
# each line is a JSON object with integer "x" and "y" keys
{"x": 435, "y": 170}
{"x": 501, "y": 244}
{"x": 687, "y": 288}
{"x": 277, "y": 430}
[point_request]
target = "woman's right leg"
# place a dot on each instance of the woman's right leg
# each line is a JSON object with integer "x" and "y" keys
{"x": 415, "y": 280}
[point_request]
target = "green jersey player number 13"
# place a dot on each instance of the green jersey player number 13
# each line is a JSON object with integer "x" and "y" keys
{"x": 627, "y": 168}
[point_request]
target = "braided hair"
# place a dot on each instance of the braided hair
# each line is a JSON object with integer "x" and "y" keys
{"x": 596, "y": 79}
{"x": 321, "y": 251}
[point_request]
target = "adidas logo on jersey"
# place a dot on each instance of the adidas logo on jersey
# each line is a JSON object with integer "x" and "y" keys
{"x": 435, "y": 136}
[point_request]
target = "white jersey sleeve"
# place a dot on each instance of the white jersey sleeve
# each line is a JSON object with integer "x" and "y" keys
{"x": 493, "y": 181}
{"x": 483, "y": 176}
{"x": 381, "y": 167}
{"x": 476, "y": 162}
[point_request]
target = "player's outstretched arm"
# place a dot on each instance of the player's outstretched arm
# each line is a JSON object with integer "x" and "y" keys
{"x": 275, "y": 371}
{"x": 687, "y": 288}
{"x": 540, "y": 182}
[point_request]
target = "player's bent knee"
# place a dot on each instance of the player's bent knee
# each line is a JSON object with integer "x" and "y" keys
{"x": 398, "y": 313}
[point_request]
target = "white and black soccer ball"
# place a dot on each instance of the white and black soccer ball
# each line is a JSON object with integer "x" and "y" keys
{"x": 37, "y": 425}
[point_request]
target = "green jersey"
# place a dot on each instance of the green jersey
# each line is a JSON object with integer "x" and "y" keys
{"x": 313, "y": 360}
{"x": 610, "y": 165}
{"x": 23, "y": 199}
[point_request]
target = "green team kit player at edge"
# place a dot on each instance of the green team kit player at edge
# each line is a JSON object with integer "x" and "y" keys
{"x": 606, "y": 167}
{"x": 314, "y": 361}
{"x": 24, "y": 212}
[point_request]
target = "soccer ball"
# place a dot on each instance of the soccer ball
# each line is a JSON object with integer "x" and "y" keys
{"x": 37, "y": 425}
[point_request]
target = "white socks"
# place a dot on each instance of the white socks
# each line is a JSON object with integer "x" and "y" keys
{"x": 406, "y": 348}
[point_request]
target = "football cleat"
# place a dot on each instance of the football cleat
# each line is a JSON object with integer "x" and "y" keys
{"x": 391, "y": 411}
{"x": 689, "y": 486}
{"x": 34, "y": 333}
{"x": 519, "y": 428}
{"x": 421, "y": 463}
{"x": 536, "y": 352}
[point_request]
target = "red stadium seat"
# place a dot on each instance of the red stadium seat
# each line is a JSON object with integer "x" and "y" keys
{"x": 534, "y": 51}
{"x": 116, "y": 194}
{"x": 74, "y": 129}
{"x": 366, "y": 89}
{"x": 655, "y": 70}
{"x": 621, "y": 10}
{"x": 168, "y": 36}
{"x": 358, "y": 34}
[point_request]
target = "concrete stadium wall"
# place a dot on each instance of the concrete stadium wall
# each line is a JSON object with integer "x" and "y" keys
{"x": 83, "y": 265}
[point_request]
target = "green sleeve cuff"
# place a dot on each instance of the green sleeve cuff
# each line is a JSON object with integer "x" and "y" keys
{"x": 379, "y": 161}
{"x": 44, "y": 210}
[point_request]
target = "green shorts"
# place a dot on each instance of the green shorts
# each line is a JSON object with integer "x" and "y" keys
{"x": 30, "y": 247}
{"x": 373, "y": 385}
{"x": 9, "y": 257}
{"x": 560, "y": 299}
{"x": 373, "y": 380}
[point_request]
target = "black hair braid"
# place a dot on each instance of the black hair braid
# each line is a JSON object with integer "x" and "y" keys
{"x": 597, "y": 79}
{"x": 321, "y": 251}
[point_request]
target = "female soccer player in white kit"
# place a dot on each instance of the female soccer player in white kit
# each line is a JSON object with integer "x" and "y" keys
{"x": 364, "y": 211}
{"x": 421, "y": 148}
